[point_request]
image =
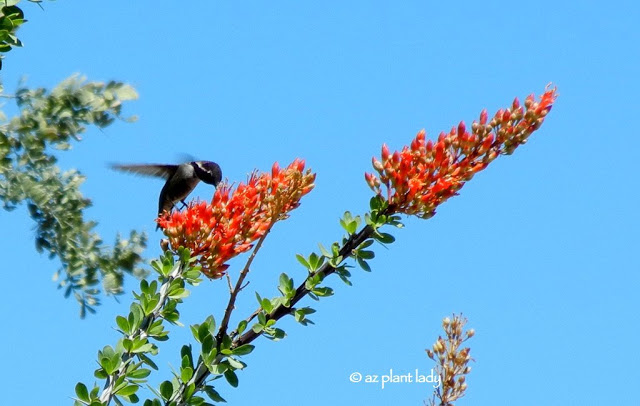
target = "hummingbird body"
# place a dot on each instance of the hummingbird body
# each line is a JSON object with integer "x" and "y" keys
{"x": 181, "y": 179}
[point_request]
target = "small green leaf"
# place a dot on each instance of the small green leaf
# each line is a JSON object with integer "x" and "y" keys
{"x": 186, "y": 374}
{"x": 150, "y": 348}
{"x": 242, "y": 326}
{"x": 324, "y": 251}
{"x": 257, "y": 328}
{"x": 82, "y": 392}
{"x": 179, "y": 293}
{"x": 148, "y": 361}
{"x": 123, "y": 324}
{"x": 266, "y": 305}
{"x": 166, "y": 390}
{"x": 243, "y": 349}
{"x": 219, "y": 368}
{"x": 207, "y": 345}
{"x": 363, "y": 264}
{"x": 231, "y": 377}
{"x": 213, "y": 394}
{"x": 322, "y": 291}
{"x": 235, "y": 364}
{"x": 139, "y": 373}
{"x": 128, "y": 390}
{"x": 126, "y": 92}
{"x": 384, "y": 238}
{"x": 303, "y": 261}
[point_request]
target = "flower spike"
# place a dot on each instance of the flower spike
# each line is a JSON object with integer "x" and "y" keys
{"x": 426, "y": 173}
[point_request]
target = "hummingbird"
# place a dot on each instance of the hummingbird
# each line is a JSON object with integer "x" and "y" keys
{"x": 181, "y": 179}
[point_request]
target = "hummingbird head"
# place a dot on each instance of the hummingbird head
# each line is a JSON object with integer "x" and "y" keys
{"x": 208, "y": 172}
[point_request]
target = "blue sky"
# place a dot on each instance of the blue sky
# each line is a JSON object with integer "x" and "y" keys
{"x": 537, "y": 251}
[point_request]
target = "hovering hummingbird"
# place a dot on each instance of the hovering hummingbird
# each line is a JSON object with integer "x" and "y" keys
{"x": 181, "y": 179}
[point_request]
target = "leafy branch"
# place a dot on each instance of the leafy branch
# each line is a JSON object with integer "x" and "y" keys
{"x": 29, "y": 174}
{"x": 123, "y": 367}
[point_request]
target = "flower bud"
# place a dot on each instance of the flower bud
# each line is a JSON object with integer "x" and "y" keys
{"x": 506, "y": 115}
{"x": 377, "y": 165}
{"x": 516, "y": 104}
{"x": 385, "y": 152}
{"x": 275, "y": 169}
{"x": 461, "y": 128}
{"x": 483, "y": 117}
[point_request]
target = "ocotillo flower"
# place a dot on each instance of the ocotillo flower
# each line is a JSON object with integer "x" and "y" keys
{"x": 423, "y": 175}
{"x": 218, "y": 231}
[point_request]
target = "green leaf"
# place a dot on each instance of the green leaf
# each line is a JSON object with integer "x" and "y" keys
{"x": 213, "y": 394}
{"x": 166, "y": 390}
{"x": 363, "y": 264}
{"x": 322, "y": 291}
{"x": 366, "y": 254}
{"x": 324, "y": 251}
{"x": 187, "y": 356}
{"x": 377, "y": 203}
{"x": 306, "y": 310}
{"x": 266, "y": 305}
{"x": 135, "y": 316}
{"x": 186, "y": 374}
{"x": 211, "y": 322}
{"x": 303, "y": 261}
{"x": 218, "y": 369}
{"x": 123, "y": 324}
{"x": 243, "y": 349}
{"x": 148, "y": 361}
{"x": 285, "y": 284}
{"x": 231, "y": 377}
{"x": 126, "y": 92}
{"x": 127, "y": 344}
{"x": 257, "y": 328}
{"x": 365, "y": 244}
{"x": 144, "y": 348}
{"x": 128, "y": 390}
{"x": 235, "y": 364}
{"x": 82, "y": 392}
{"x": 384, "y": 238}
{"x": 242, "y": 326}
{"x": 203, "y": 332}
{"x": 139, "y": 373}
{"x": 179, "y": 293}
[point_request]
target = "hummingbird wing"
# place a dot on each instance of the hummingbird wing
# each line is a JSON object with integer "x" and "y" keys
{"x": 158, "y": 170}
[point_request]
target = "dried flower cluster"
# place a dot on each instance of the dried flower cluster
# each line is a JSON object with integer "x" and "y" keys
{"x": 422, "y": 176}
{"x": 452, "y": 361}
{"x": 228, "y": 226}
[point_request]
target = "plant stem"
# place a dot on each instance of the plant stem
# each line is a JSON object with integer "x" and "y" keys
{"x": 325, "y": 270}
{"x": 238, "y": 287}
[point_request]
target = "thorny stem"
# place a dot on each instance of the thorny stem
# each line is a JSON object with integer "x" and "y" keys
{"x": 238, "y": 287}
{"x": 325, "y": 270}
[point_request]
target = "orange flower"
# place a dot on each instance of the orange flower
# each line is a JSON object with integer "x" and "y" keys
{"x": 234, "y": 219}
{"x": 423, "y": 175}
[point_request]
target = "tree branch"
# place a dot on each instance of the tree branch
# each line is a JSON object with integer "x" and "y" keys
{"x": 238, "y": 287}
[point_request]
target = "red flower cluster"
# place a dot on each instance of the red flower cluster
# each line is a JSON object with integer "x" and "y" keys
{"x": 422, "y": 176}
{"x": 234, "y": 219}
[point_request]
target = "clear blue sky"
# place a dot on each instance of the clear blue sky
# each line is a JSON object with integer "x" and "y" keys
{"x": 537, "y": 251}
